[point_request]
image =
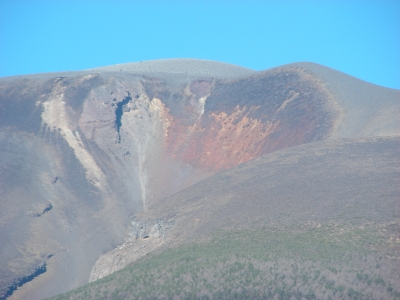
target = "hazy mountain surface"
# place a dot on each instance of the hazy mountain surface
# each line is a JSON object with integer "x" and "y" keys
{"x": 212, "y": 179}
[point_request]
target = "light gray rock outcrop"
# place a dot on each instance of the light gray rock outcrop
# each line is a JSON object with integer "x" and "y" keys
{"x": 142, "y": 237}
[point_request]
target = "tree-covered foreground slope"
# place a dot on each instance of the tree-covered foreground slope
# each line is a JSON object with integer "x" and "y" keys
{"x": 314, "y": 262}
{"x": 318, "y": 221}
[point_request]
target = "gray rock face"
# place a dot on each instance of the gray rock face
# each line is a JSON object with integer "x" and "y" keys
{"x": 105, "y": 144}
{"x": 143, "y": 237}
{"x": 151, "y": 229}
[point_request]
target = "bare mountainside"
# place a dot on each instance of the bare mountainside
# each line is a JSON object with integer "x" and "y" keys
{"x": 81, "y": 153}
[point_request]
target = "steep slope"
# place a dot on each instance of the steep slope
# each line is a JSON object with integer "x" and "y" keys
{"x": 81, "y": 152}
{"x": 316, "y": 221}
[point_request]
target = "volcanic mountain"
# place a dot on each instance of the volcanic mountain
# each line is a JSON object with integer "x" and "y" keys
{"x": 99, "y": 168}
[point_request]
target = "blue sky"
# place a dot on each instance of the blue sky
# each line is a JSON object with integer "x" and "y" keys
{"x": 361, "y": 38}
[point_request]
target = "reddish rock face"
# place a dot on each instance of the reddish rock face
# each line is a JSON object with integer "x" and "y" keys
{"x": 227, "y": 141}
{"x": 245, "y": 118}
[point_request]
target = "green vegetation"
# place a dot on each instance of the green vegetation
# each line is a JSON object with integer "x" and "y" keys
{"x": 325, "y": 262}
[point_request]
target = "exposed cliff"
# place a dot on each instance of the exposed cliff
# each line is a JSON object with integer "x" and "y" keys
{"x": 142, "y": 237}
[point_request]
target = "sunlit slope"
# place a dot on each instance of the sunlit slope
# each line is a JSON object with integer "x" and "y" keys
{"x": 313, "y": 221}
{"x": 352, "y": 181}
{"x": 180, "y": 67}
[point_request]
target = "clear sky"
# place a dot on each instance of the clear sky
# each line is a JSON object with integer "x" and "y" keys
{"x": 361, "y": 38}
